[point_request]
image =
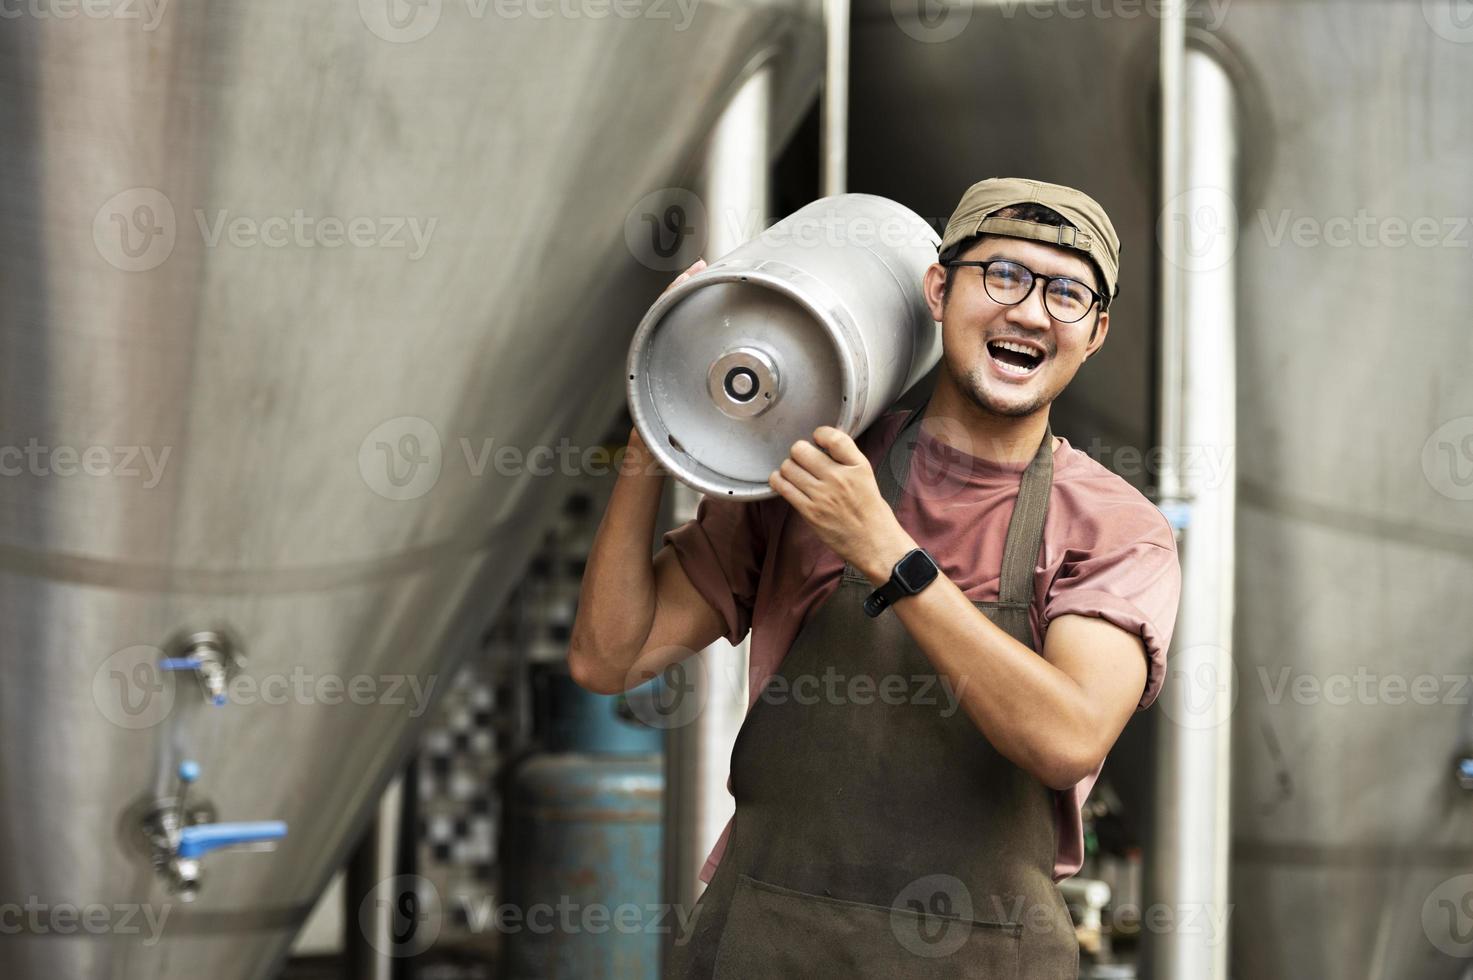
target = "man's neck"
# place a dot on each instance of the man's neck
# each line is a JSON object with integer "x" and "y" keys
{"x": 986, "y": 435}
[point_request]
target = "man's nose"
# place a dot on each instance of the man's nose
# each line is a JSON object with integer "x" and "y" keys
{"x": 1031, "y": 311}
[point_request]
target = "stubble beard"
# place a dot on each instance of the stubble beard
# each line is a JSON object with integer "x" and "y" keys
{"x": 973, "y": 386}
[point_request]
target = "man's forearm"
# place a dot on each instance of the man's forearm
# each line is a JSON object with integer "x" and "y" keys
{"x": 616, "y": 602}
{"x": 1032, "y": 712}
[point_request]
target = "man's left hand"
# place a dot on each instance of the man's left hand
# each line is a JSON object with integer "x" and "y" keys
{"x": 830, "y": 483}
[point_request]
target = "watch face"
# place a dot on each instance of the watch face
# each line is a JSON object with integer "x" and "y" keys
{"x": 916, "y": 571}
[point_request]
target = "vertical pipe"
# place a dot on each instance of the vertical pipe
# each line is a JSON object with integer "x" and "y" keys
{"x": 1189, "y": 874}
{"x": 697, "y": 755}
{"x": 369, "y": 940}
{"x": 834, "y": 110}
{"x": 1170, "y": 234}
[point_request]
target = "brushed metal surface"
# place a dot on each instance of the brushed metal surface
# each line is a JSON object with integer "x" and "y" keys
{"x": 830, "y": 297}
{"x": 1355, "y": 414}
{"x": 319, "y": 260}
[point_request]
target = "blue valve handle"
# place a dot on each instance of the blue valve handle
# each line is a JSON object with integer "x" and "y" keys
{"x": 201, "y": 839}
{"x": 188, "y": 663}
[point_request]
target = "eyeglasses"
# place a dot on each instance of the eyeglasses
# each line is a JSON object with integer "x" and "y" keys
{"x": 1010, "y": 283}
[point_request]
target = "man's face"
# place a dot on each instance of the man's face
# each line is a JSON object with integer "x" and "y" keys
{"x": 972, "y": 323}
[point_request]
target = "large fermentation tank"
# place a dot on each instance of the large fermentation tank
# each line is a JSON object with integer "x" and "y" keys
{"x": 1351, "y": 836}
{"x": 280, "y": 283}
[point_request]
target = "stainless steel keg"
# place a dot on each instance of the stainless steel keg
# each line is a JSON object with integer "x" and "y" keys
{"x": 819, "y": 320}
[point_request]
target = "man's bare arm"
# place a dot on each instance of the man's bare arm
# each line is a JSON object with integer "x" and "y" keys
{"x": 636, "y": 614}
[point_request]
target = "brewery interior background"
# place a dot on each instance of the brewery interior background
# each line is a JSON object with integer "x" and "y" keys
{"x": 281, "y": 279}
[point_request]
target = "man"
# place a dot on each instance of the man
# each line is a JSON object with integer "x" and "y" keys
{"x": 952, "y": 620}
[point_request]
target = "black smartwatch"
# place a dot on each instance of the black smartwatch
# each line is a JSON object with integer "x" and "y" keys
{"x": 911, "y": 574}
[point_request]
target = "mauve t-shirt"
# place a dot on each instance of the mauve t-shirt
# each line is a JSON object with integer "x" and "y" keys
{"x": 1107, "y": 551}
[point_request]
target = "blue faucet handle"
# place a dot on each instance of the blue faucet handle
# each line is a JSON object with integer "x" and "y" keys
{"x": 179, "y": 663}
{"x": 188, "y": 771}
{"x": 201, "y": 839}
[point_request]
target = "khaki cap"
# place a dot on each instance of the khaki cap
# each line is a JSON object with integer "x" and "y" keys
{"x": 1093, "y": 234}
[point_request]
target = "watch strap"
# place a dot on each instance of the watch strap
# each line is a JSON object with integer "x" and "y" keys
{"x": 880, "y": 599}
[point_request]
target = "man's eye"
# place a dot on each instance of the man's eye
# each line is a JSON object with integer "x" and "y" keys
{"x": 1071, "y": 292}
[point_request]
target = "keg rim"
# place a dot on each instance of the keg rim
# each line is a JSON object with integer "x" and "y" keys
{"x": 828, "y": 310}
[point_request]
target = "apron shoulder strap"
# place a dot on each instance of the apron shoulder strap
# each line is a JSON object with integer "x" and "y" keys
{"x": 1025, "y": 530}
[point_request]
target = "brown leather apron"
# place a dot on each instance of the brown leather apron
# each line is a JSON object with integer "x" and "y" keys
{"x": 877, "y": 832}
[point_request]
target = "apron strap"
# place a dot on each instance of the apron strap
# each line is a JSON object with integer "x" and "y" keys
{"x": 1025, "y": 529}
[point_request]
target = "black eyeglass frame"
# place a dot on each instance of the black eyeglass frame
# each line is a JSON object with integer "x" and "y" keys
{"x": 984, "y": 263}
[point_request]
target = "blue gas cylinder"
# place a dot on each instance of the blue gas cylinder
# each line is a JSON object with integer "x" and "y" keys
{"x": 583, "y": 868}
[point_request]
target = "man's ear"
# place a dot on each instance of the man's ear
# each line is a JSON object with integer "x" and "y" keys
{"x": 1102, "y": 327}
{"x": 933, "y": 284}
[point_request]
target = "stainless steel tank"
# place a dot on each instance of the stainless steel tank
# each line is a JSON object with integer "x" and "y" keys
{"x": 820, "y": 319}
{"x": 1353, "y": 839}
{"x": 280, "y": 283}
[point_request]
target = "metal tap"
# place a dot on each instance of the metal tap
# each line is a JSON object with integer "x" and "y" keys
{"x": 182, "y": 831}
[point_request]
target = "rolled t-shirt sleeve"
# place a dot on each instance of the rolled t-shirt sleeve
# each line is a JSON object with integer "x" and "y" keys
{"x": 1130, "y": 577}
{"x": 721, "y": 551}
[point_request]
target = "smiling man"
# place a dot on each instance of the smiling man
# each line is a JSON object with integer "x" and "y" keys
{"x": 959, "y": 549}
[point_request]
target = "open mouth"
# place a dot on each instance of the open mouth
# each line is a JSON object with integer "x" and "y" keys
{"x": 1014, "y": 358}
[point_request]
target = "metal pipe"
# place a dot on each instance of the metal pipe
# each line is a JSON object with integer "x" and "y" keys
{"x": 369, "y": 937}
{"x": 1189, "y": 873}
{"x": 1170, "y": 235}
{"x": 735, "y": 189}
{"x": 834, "y": 109}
